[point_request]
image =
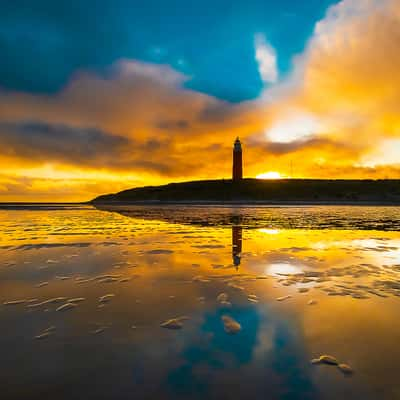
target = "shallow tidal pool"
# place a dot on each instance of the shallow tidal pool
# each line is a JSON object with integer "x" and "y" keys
{"x": 199, "y": 302}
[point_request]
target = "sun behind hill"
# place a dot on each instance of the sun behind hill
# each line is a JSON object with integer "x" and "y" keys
{"x": 270, "y": 175}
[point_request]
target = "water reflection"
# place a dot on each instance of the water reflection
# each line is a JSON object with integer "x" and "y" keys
{"x": 236, "y": 244}
{"x": 158, "y": 270}
{"x": 270, "y": 218}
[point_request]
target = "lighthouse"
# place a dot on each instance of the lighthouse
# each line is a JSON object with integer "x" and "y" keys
{"x": 237, "y": 166}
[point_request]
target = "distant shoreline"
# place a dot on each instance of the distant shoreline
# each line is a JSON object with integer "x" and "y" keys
{"x": 262, "y": 192}
{"x": 58, "y": 205}
{"x": 246, "y": 203}
{"x": 243, "y": 193}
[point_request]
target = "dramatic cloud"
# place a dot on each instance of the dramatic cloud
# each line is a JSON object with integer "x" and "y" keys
{"x": 345, "y": 88}
{"x": 44, "y": 142}
{"x": 135, "y": 123}
{"x": 337, "y": 114}
{"x": 90, "y": 147}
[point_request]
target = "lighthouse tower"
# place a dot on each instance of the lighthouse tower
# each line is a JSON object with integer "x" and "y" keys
{"x": 237, "y": 167}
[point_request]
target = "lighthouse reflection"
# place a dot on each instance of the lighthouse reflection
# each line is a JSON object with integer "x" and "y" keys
{"x": 237, "y": 239}
{"x": 236, "y": 245}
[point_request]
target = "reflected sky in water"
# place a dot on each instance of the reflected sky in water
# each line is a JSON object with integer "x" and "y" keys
{"x": 163, "y": 263}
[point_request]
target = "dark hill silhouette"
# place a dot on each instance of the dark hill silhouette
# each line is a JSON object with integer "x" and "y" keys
{"x": 264, "y": 191}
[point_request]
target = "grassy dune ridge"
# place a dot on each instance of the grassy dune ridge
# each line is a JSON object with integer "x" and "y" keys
{"x": 264, "y": 191}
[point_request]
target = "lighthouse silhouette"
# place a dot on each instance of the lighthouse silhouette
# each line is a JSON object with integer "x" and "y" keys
{"x": 237, "y": 166}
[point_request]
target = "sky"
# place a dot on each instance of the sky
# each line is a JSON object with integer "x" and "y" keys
{"x": 100, "y": 96}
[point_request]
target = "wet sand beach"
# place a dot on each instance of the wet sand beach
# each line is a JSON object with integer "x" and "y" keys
{"x": 200, "y": 302}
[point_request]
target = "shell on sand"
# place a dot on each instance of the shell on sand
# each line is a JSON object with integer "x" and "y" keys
{"x": 50, "y": 329}
{"x": 99, "y": 330}
{"x": 41, "y": 284}
{"x": 174, "y": 323}
{"x": 252, "y": 300}
{"x": 222, "y": 297}
{"x": 231, "y": 326}
{"x": 284, "y": 298}
{"x": 44, "y": 335}
{"x": 106, "y": 298}
{"x": 325, "y": 359}
{"x": 345, "y": 368}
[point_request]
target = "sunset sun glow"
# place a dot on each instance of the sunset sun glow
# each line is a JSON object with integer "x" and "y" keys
{"x": 269, "y": 175}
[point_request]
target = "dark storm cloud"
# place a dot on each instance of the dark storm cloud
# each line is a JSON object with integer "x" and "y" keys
{"x": 216, "y": 112}
{"x": 39, "y": 140}
{"x": 153, "y": 144}
{"x": 180, "y": 124}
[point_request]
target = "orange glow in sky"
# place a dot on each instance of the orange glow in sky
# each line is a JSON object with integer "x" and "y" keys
{"x": 270, "y": 175}
{"x": 335, "y": 115}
